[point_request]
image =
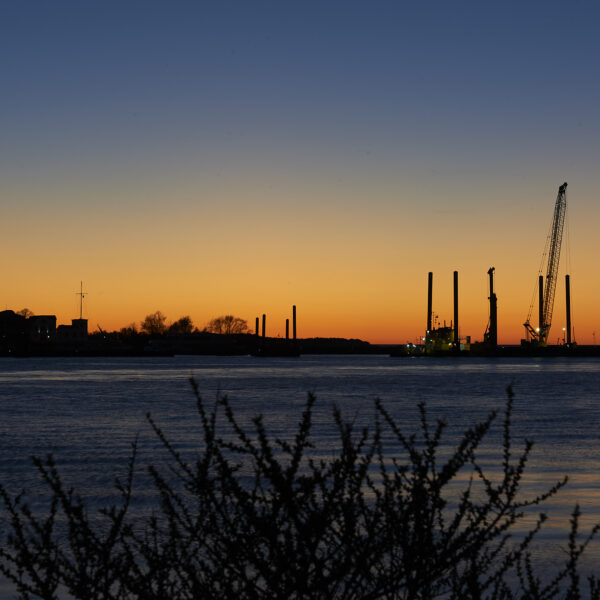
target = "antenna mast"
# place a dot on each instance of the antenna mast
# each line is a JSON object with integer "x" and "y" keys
{"x": 81, "y": 295}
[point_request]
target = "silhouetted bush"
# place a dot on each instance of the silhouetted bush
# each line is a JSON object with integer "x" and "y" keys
{"x": 261, "y": 517}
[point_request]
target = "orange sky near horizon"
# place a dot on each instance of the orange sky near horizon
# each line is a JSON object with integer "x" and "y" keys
{"x": 351, "y": 273}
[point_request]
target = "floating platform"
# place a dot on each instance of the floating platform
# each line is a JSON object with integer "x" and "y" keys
{"x": 481, "y": 350}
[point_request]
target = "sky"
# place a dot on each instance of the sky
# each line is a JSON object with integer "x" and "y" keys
{"x": 210, "y": 158}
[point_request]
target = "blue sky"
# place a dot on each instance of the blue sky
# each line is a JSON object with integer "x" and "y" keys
{"x": 155, "y": 79}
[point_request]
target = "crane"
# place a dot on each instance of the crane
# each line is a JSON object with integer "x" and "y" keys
{"x": 490, "y": 337}
{"x": 539, "y": 336}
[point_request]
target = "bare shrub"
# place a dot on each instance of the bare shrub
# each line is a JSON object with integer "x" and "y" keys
{"x": 260, "y": 517}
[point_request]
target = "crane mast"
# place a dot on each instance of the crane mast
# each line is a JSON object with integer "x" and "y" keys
{"x": 540, "y": 335}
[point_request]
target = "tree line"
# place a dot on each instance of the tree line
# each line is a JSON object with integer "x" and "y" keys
{"x": 156, "y": 324}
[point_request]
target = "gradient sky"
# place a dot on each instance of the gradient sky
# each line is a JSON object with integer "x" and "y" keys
{"x": 240, "y": 157}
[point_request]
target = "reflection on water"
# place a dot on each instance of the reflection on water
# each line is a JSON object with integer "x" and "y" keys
{"x": 88, "y": 411}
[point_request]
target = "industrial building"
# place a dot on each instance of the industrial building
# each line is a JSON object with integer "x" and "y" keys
{"x": 38, "y": 334}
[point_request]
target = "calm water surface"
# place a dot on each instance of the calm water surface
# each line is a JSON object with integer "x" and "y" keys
{"x": 86, "y": 412}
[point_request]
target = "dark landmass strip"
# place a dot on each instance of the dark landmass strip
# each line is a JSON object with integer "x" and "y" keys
{"x": 562, "y": 350}
{"x": 39, "y": 336}
{"x": 197, "y": 343}
{"x": 203, "y": 343}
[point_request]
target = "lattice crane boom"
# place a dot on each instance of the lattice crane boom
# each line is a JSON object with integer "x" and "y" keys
{"x": 556, "y": 232}
{"x": 558, "y": 223}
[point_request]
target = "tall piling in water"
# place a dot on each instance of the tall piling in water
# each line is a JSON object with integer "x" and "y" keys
{"x": 294, "y": 321}
{"x": 429, "y": 300}
{"x": 264, "y": 325}
{"x": 456, "y": 338}
{"x": 568, "y": 289}
{"x": 287, "y": 329}
{"x": 256, "y": 332}
{"x": 493, "y": 330}
{"x": 541, "y": 308}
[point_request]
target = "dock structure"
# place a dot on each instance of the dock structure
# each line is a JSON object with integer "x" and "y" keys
{"x": 456, "y": 336}
{"x": 429, "y": 301}
{"x": 441, "y": 340}
{"x": 490, "y": 337}
{"x": 568, "y": 301}
{"x": 294, "y": 321}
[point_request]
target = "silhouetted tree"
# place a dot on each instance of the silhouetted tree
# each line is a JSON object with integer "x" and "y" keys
{"x": 182, "y": 326}
{"x": 25, "y": 312}
{"x": 154, "y": 324}
{"x": 227, "y": 325}
{"x": 129, "y": 331}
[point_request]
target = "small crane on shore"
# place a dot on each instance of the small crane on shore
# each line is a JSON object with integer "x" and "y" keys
{"x": 539, "y": 335}
{"x": 490, "y": 337}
